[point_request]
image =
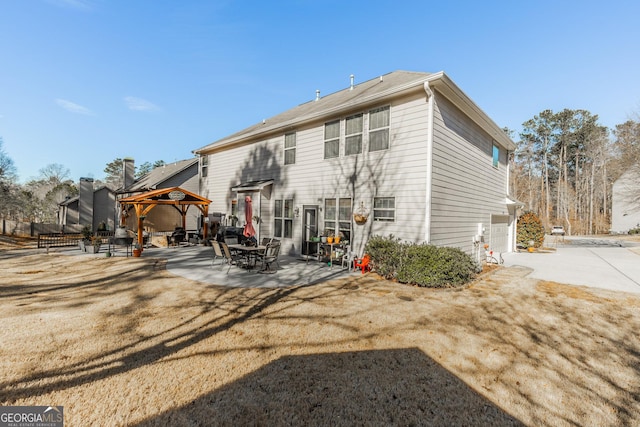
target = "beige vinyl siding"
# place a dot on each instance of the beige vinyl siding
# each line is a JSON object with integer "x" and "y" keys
{"x": 398, "y": 172}
{"x": 466, "y": 188}
{"x": 463, "y": 176}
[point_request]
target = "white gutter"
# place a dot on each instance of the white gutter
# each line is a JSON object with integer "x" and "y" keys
{"x": 427, "y": 208}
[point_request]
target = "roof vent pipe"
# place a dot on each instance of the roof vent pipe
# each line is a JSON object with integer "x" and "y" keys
{"x": 317, "y": 94}
{"x": 351, "y": 77}
{"x": 380, "y": 78}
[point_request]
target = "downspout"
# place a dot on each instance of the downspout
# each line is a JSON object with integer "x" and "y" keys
{"x": 428, "y": 183}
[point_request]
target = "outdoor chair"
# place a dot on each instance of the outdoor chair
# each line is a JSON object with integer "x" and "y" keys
{"x": 348, "y": 258}
{"x": 230, "y": 260}
{"x": 217, "y": 252}
{"x": 265, "y": 241}
{"x": 269, "y": 257}
{"x": 362, "y": 263}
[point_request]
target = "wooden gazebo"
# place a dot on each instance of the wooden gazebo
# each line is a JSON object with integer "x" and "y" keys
{"x": 177, "y": 197}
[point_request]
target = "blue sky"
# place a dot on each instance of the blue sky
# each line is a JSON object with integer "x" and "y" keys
{"x": 83, "y": 82}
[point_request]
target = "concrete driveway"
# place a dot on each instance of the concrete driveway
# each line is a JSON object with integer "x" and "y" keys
{"x": 606, "y": 263}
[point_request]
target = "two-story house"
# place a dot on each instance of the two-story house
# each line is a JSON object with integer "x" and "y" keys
{"x": 409, "y": 151}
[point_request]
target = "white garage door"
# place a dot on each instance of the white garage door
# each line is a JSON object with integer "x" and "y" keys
{"x": 499, "y": 233}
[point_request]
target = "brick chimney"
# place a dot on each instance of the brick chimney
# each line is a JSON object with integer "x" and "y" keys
{"x": 128, "y": 172}
{"x": 85, "y": 202}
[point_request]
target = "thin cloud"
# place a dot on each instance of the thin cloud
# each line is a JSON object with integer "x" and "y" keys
{"x": 75, "y": 4}
{"x": 139, "y": 104}
{"x": 73, "y": 107}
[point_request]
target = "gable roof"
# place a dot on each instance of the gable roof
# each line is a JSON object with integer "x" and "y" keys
{"x": 158, "y": 175}
{"x": 366, "y": 94}
{"x": 168, "y": 196}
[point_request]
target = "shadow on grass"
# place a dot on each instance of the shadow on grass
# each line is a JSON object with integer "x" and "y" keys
{"x": 377, "y": 387}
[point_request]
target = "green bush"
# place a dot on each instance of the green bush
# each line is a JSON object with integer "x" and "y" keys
{"x": 635, "y": 230}
{"x": 530, "y": 229}
{"x": 421, "y": 265}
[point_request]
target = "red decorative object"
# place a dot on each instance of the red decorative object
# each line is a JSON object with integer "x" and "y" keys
{"x": 362, "y": 263}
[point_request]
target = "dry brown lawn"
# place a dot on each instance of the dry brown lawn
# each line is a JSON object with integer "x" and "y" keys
{"x": 121, "y": 341}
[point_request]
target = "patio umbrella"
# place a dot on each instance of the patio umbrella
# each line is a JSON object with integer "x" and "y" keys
{"x": 249, "y": 231}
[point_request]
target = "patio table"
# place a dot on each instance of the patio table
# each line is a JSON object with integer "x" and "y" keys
{"x": 249, "y": 251}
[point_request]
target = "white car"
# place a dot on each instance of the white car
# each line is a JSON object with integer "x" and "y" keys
{"x": 557, "y": 230}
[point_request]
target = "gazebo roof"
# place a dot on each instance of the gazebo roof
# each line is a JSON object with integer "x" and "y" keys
{"x": 167, "y": 196}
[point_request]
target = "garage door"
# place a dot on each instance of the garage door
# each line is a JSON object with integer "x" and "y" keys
{"x": 499, "y": 233}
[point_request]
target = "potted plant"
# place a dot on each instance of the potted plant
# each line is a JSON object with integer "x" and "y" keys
{"x": 93, "y": 246}
{"x": 361, "y": 215}
{"x": 137, "y": 249}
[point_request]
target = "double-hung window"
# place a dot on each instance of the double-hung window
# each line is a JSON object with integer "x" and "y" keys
{"x": 332, "y": 139}
{"x": 204, "y": 163}
{"x": 379, "y": 129}
{"x": 329, "y": 216}
{"x": 337, "y": 217}
{"x": 283, "y": 218}
{"x": 384, "y": 209}
{"x": 353, "y": 135}
{"x": 344, "y": 218}
{"x": 290, "y": 149}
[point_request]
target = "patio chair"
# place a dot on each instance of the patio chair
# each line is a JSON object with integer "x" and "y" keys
{"x": 348, "y": 258}
{"x": 362, "y": 263}
{"x": 265, "y": 241}
{"x": 217, "y": 252}
{"x": 230, "y": 260}
{"x": 269, "y": 257}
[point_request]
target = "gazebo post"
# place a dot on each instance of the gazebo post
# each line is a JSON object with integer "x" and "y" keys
{"x": 140, "y": 232}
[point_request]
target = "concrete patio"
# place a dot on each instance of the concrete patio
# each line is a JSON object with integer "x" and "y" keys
{"x": 195, "y": 263}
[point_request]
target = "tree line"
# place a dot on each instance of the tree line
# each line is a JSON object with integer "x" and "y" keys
{"x": 565, "y": 164}
{"x": 38, "y": 199}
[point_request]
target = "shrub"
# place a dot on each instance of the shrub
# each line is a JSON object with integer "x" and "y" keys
{"x": 530, "y": 229}
{"x": 421, "y": 265}
{"x": 386, "y": 255}
{"x": 635, "y": 230}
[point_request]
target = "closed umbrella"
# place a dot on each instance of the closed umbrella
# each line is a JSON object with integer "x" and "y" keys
{"x": 249, "y": 231}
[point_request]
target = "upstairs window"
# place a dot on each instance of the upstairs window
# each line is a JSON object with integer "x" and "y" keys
{"x": 496, "y": 156}
{"x": 353, "y": 135}
{"x": 204, "y": 165}
{"x": 290, "y": 149}
{"x": 332, "y": 139}
{"x": 379, "y": 129}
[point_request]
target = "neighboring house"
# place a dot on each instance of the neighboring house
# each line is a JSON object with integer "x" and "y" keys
{"x": 409, "y": 149}
{"x": 91, "y": 207}
{"x": 625, "y": 206}
{"x": 183, "y": 174}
